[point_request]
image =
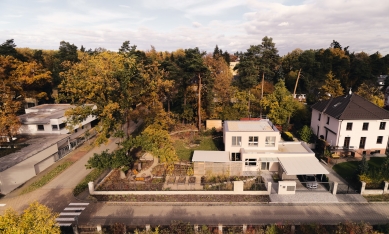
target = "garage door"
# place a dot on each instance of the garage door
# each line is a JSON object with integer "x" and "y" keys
{"x": 45, "y": 163}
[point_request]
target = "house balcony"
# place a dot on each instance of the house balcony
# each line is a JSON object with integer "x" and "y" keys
{"x": 342, "y": 151}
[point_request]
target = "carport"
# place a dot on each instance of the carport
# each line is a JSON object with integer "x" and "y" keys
{"x": 304, "y": 165}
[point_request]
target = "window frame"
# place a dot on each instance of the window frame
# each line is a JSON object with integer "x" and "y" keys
{"x": 346, "y": 139}
{"x": 250, "y": 162}
{"x": 382, "y": 125}
{"x": 237, "y": 141}
{"x": 265, "y": 166}
{"x": 365, "y": 126}
{"x": 349, "y": 128}
{"x": 271, "y": 142}
{"x": 54, "y": 127}
{"x": 380, "y": 139}
{"x": 40, "y": 129}
{"x": 364, "y": 142}
{"x": 252, "y": 141}
{"x": 328, "y": 120}
{"x": 234, "y": 155}
{"x": 319, "y": 117}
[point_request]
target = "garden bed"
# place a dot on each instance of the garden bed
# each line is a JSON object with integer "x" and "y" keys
{"x": 184, "y": 198}
{"x": 192, "y": 180}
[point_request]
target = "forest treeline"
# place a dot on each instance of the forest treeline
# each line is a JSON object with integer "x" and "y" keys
{"x": 184, "y": 86}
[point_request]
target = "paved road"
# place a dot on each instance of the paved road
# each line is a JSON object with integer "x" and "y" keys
{"x": 154, "y": 214}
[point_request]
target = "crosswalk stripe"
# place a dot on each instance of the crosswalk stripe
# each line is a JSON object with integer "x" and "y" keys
{"x": 2, "y": 204}
{"x": 69, "y": 213}
{"x": 74, "y": 208}
{"x": 65, "y": 224}
{"x": 78, "y": 204}
{"x": 65, "y": 219}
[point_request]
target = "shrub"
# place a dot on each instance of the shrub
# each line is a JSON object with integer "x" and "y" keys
{"x": 92, "y": 176}
{"x": 287, "y": 136}
{"x": 305, "y": 134}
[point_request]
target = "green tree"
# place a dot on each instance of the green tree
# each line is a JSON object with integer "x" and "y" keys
{"x": 36, "y": 218}
{"x": 331, "y": 87}
{"x": 280, "y": 104}
{"x": 363, "y": 167}
{"x": 305, "y": 134}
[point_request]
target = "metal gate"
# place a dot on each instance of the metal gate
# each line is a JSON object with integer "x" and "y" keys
{"x": 346, "y": 189}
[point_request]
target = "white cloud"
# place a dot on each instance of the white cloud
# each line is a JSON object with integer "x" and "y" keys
{"x": 283, "y": 24}
{"x": 196, "y": 24}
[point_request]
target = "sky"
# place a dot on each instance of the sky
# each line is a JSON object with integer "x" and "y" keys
{"x": 168, "y": 25}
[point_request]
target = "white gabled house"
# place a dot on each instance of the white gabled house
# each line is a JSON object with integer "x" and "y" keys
{"x": 351, "y": 123}
{"x": 252, "y": 147}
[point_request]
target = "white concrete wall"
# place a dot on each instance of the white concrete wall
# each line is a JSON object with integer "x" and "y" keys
{"x": 17, "y": 175}
{"x": 333, "y": 125}
{"x": 245, "y": 140}
{"x": 371, "y": 134}
{"x": 283, "y": 185}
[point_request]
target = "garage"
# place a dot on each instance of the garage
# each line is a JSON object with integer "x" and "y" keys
{"x": 45, "y": 163}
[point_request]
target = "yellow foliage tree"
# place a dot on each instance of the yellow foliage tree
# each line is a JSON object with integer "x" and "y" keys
{"x": 331, "y": 87}
{"x": 37, "y": 218}
{"x": 371, "y": 93}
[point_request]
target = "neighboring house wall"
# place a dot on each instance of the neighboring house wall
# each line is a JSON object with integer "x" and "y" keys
{"x": 371, "y": 135}
{"x": 327, "y": 126}
{"x": 18, "y": 174}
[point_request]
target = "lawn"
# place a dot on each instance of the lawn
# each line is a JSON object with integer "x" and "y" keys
{"x": 185, "y": 149}
{"x": 348, "y": 170}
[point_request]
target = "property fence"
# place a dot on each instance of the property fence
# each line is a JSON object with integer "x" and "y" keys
{"x": 75, "y": 143}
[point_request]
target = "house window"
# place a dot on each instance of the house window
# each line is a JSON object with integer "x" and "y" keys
{"x": 349, "y": 126}
{"x": 253, "y": 141}
{"x": 40, "y": 127}
{"x": 379, "y": 139}
{"x": 251, "y": 162}
{"x": 62, "y": 125}
{"x": 382, "y": 125}
{"x": 236, "y": 140}
{"x": 328, "y": 120}
{"x": 362, "y": 143}
{"x": 365, "y": 126}
{"x": 319, "y": 116}
{"x": 346, "y": 142}
{"x": 75, "y": 130}
{"x": 54, "y": 127}
{"x": 235, "y": 157}
{"x": 270, "y": 141}
{"x": 265, "y": 166}
{"x": 82, "y": 127}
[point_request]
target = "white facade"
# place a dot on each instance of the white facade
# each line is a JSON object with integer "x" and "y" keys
{"x": 50, "y": 119}
{"x": 258, "y": 146}
{"x": 363, "y": 136}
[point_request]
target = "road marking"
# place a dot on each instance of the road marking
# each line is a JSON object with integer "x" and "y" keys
{"x": 69, "y": 213}
{"x": 65, "y": 219}
{"x": 2, "y": 204}
{"x": 65, "y": 224}
{"x": 74, "y": 208}
{"x": 78, "y": 204}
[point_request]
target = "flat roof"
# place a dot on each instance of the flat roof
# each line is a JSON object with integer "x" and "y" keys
{"x": 302, "y": 165}
{"x": 262, "y": 125}
{"x": 283, "y": 147}
{"x": 210, "y": 156}
{"x": 36, "y": 144}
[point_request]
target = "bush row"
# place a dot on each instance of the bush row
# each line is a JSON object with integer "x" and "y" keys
{"x": 92, "y": 176}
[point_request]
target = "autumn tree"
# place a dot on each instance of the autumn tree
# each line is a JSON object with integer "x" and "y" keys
{"x": 37, "y": 218}
{"x": 331, "y": 87}
{"x": 371, "y": 93}
{"x": 280, "y": 104}
{"x": 106, "y": 80}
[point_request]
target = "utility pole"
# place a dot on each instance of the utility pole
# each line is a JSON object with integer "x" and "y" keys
{"x": 295, "y": 87}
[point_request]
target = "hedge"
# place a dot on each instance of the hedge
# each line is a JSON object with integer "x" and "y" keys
{"x": 92, "y": 176}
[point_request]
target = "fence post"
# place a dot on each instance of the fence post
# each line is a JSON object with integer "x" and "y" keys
{"x": 335, "y": 188}
{"x": 91, "y": 187}
{"x": 386, "y": 187}
{"x": 269, "y": 188}
{"x": 363, "y": 187}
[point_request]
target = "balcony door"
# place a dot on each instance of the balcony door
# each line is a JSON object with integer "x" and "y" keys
{"x": 346, "y": 144}
{"x": 362, "y": 143}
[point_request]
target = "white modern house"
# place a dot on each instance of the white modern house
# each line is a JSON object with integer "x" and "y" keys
{"x": 351, "y": 123}
{"x": 256, "y": 146}
{"x": 50, "y": 119}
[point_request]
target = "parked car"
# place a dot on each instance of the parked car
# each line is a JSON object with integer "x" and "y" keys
{"x": 310, "y": 181}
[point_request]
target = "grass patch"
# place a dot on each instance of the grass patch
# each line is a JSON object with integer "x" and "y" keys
{"x": 376, "y": 162}
{"x": 185, "y": 152}
{"x": 92, "y": 176}
{"x": 377, "y": 198}
{"x": 48, "y": 177}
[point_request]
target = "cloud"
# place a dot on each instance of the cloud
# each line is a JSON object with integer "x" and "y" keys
{"x": 196, "y": 24}
{"x": 283, "y": 24}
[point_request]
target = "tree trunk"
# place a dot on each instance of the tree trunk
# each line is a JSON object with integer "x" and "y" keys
{"x": 263, "y": 82}
{"x": 249, "y": 105}
{"x": 295, "y": 87}
{"x": 199, "y": 101}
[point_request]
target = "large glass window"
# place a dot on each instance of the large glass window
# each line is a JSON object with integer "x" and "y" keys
{"x": 349, "y": 126}
{"x": 236, "y": 140}
{"x": 62, "y": 125}
{"x": 270, "y": 141}
{"x": 251, "y": 162}
{"x": 265, "y": 166}
{"x": 253, "y": 141}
